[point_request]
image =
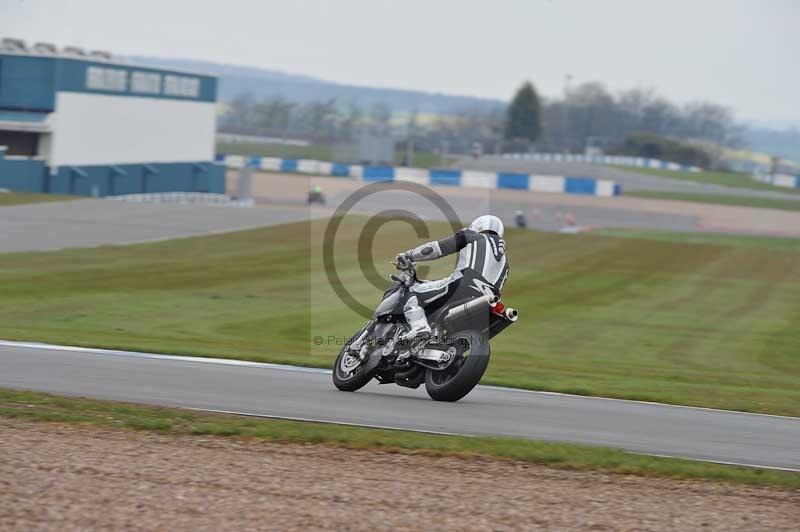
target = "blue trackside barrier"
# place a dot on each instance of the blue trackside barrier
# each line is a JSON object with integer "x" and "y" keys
{"x": 580, "y": 185}
{"x": 340, "y": 170}
{"x": 435, "y": 176}
{"x": 378, "y": 173}
{"x": 289, "y": 165}
{"x": 511, "y": 180}
{"x": 445, "y": 177}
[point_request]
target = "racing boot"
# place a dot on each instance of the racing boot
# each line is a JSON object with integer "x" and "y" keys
{"x": 415, "y": 316}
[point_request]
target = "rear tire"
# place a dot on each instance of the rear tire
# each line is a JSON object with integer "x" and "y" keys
{"x": 464, "y": 373}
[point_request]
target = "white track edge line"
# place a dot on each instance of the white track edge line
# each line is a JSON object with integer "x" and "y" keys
{"x": 439, "y": 433}
{"x": 304, "y": 369}
{"x": 158, "y": 356}
{"x": 775, "y": 468}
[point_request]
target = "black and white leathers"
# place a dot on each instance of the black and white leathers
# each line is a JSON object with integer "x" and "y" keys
{"x": 482, "y": 253}
{"x": 482, "y": 265}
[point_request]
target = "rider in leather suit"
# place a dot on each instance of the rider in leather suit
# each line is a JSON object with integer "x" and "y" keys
{"x": 482, "y": 266}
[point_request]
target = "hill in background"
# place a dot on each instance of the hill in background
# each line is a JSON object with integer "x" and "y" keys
{"x": 265, "y": 84}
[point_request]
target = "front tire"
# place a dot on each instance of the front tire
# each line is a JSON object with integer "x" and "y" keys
{"x": 349, "y": 375}
{"x": 464, "y": 373}
{"x": 348, "y": 370}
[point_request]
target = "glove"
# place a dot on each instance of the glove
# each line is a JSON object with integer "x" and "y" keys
{"x": 403, "y": 260}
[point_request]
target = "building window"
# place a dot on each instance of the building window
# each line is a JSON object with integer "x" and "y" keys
{"x": 181, "y": 86}
{"x": 106, "y": 79}
{"x": 146, "y": 82}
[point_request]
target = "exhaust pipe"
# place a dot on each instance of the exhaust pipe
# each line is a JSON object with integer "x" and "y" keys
{"x": 501, "y": 321}
{"x": 471, "y": 308}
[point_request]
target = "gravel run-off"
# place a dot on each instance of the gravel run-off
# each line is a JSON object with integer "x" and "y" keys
{"x": 65, "y": 477}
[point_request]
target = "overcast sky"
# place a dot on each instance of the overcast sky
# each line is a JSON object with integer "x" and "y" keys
{"x": 741, "y": 53}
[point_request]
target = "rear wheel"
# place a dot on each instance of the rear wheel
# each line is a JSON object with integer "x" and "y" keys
{"x": 466, "y": 370}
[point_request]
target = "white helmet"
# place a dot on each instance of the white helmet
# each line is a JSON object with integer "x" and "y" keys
{"x": 487, "y": 222}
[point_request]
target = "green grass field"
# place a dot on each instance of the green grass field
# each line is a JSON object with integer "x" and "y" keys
{"x": 313, "y": 151}
{"x": 48, "y": 408}
{"x": 718, "y": 199}
{"x": 426, "y": 159}
{"x": 713, "y": 323}
{"x": 739, "y": 241}
{"x": 728, "y": 179}
{"x": 422, "y": 159}
{"x": 19, "y": 198}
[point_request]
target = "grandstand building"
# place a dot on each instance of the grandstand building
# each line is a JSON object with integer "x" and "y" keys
{"x": 74, "y": 122}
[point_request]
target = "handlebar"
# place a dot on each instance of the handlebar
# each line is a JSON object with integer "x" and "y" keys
{"x": 407, "y": 278}
{"x": 408, "y": 268}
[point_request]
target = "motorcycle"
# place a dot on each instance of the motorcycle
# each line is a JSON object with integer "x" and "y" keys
{"x": 451, "y": 361}
{"x": 316, "y": 196}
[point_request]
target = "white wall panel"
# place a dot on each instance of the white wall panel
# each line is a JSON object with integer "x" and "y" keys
{"x": 545, "y": 183}
{"x": 308, "y": 166}
{"x": 415, "y": 175}
{"x": 478, "y": 179}
{"x": 270, "y": 163}
{"x": 235, "y": 161}
{"x": 783, "y": 180}
{"x": 101, "y": 129}
{"x": 604, "y": 188}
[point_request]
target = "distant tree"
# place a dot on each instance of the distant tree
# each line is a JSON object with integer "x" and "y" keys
{"x": 380, "y": 114}
{"x": 668, "y": 149}
{"x": 592, "y": 113}
{"x": 524, "y": 115}
{"x": 352, "y": 121}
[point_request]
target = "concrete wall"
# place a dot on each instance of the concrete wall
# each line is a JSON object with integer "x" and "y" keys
{"x": 623, "y": 160}
{"x": 424, "y": 176}
{"x": 23, "y": 174}
{"x": 26, "y": 174}
{"x": 114, "y": 180}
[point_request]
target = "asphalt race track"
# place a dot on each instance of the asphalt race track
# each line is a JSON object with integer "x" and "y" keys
{"x": 95, "y": 222}
{"x": 308, "y": 394}
{"x": 281, "y": 199}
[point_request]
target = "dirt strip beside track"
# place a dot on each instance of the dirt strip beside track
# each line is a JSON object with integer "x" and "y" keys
{"x": 77, "y": 478}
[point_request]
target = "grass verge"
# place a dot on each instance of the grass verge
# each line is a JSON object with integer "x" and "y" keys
{"x": 19, "y": 198}
{"x": 422, "y": 159}
{"x": 718, "y": 199}
{"x": 312, "y": 151}
{"x": 776, "y": 243}
{"x": 673, "y": 319}
{"x": 49, "y": 408}
{"x": 728, "y": 179}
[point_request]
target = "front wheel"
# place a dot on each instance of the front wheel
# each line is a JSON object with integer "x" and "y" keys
{"x": 348, "y": 371}
{"x": 466, "y": 370}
